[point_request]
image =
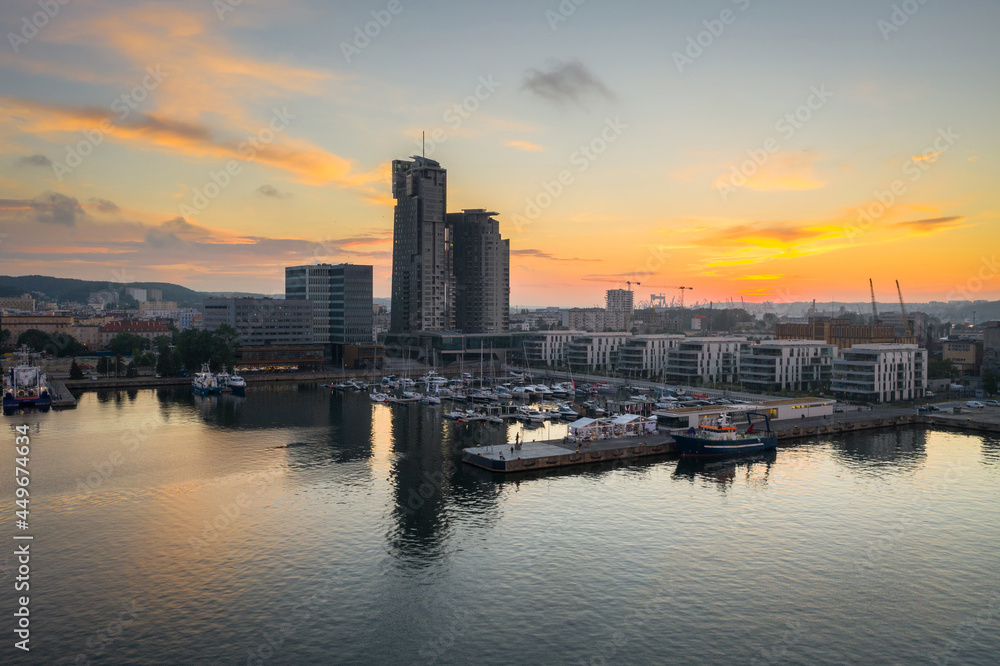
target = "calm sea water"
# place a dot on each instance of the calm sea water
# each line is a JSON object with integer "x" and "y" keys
{"x": 296, "y": 527}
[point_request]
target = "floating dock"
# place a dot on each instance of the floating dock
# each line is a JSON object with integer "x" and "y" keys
{"x": 554, "y": 453}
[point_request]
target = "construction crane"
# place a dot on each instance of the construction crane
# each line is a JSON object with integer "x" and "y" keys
{"x": 653, "y": 300}
{"x": 902, "y": 308}
{"x": 875, "y": 319}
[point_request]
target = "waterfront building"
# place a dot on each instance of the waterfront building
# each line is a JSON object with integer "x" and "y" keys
{"x": 595, "y": 351}
{"x": 341, "y": 298}
{"x": 619, "y": 306}
{"x": 280, "y": 358}
{"x": 141, "y": 327}
{"x": 423, "y": 279}
{"x": 880, "y": 373}
{"x": 797, "y": 365}
{"x": 549, "y": 347}
{"x": 705, "y": 360}
{"x": 482, "y": 272}
{"x": 262, "y": 321}
{"x": 647, "y": 355}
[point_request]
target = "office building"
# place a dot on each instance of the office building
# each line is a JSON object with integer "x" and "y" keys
{"x": 423, "y": 279}
{"x": 341, "y": 298}
{"x": 262, "y": 322}
{"x": 991, "y": 347}
{"x": 481, "y": 261}
{"x": 880, "y": 373}
{"x": 777, "y": 365}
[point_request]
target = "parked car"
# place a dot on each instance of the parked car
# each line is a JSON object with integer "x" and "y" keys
{"x": 974, "y": 404}
{"x": 991, "y": 403}
{"x": 838, "y": 410}
{"x": 937, "y": 408}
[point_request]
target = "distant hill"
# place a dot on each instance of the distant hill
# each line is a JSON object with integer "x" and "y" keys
{"x": 71, "y": 289}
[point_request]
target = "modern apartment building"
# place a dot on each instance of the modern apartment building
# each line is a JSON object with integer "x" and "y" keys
{"x": 585, "y": 319}
{"x": 880, "y": 373}
{"x": 595, "y": 351}
{"x": 262, "y": 321}
{"x": 341, "y": 298}
{"x": 777, "y": 365}
{"x": 481, "y": 261}
{"x": 705, "y": 360}
{"x": 647, "y": 355}
{"x": 549, "y": 347}
{"x": 423, "y": 279}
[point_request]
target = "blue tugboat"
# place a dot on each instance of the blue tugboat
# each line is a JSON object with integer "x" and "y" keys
{"x": 25, "y": 386}
{"x": 722, "y": 438}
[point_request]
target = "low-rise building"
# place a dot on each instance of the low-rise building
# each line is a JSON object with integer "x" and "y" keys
{"x": 595, "y": 351}
{"x": 647, "y": 355}
{"x": 880, "y": 373}
{"x": 585, "y": 319}
{"x": 705, "y": 360}
{"x": 51, "y": 324}
{"x": 549, "y": 347}
{"x": 153, "y": 309}
{"x": 967, "y": 355}
{"x": 141, "y": 327}
{"x": 797, "y": 365}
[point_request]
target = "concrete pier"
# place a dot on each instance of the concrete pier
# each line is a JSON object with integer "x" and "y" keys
{"x": 61, "y": 397}
{"x": 556, "y": 453}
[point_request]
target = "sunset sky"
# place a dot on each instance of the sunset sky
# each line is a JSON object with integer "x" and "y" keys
{"x": 740, "y": 147}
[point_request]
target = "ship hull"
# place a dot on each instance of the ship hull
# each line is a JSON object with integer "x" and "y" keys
{"x": 699, "y": 447}
{"x": 11, "y": 404}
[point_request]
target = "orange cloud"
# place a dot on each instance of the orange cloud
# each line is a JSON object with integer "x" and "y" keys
{"x": 526, "y": 146}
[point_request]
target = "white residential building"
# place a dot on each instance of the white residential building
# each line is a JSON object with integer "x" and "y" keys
{"x": 647, "y": 355}
{"x": 799, "y": 365}
{"x": 549, "y": 347}
{"x": 595, "y": 351}
{"x": 705, "y": 360}
{"x": 880, "y": 373}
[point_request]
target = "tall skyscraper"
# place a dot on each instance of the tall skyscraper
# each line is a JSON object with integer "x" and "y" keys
{"x": 423, "y": 280}
{"x": 482, "y": 272}
{"x": 341, "y": 295}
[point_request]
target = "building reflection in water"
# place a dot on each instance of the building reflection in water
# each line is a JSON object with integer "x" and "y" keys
{"x": 879, "y": 452}
{"x": 755, "y": 468}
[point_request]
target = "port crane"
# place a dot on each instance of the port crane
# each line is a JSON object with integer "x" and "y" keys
{"x": 902, "y": 308}
{"x": 875, "y": 319}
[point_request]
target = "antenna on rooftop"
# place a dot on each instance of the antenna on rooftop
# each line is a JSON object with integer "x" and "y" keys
{"x": 423, "y": 143}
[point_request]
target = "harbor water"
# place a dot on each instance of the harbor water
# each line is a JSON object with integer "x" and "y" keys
{"x": 292, "y": 526}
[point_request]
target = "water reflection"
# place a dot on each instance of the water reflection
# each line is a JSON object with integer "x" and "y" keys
{"x": 756, "y": 468}
{"x": 893, "y": 451}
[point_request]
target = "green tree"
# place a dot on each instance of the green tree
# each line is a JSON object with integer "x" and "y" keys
{"x": 991, "y": 382}
{"x": 103, "y": 366}
{"x": 166, "y": 365}
{"x": 124, "y": 344}
{"x": 147, "y": 360}
{"x": 131, "y": 370}
{"x": 35, "y": 339}
{"x": 941, "y": 369}
{"x": 5, "y": 337}
{"x": 74, "y": 371}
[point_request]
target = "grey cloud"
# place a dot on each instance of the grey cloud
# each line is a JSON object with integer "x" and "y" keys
{"x": 272, "y": 191}
{"x": 38, "y": 160}
{"x": 104, "y": 205}
{"x": 55, "y": 208}
{"x": 565, "y": 82}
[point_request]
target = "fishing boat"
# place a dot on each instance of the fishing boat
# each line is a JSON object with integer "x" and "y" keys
{"x": 25, "y": 386}
{"x": 238, "y": 385}
{"x": 204, "y": 382}
{"x": 721, "y": 437}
